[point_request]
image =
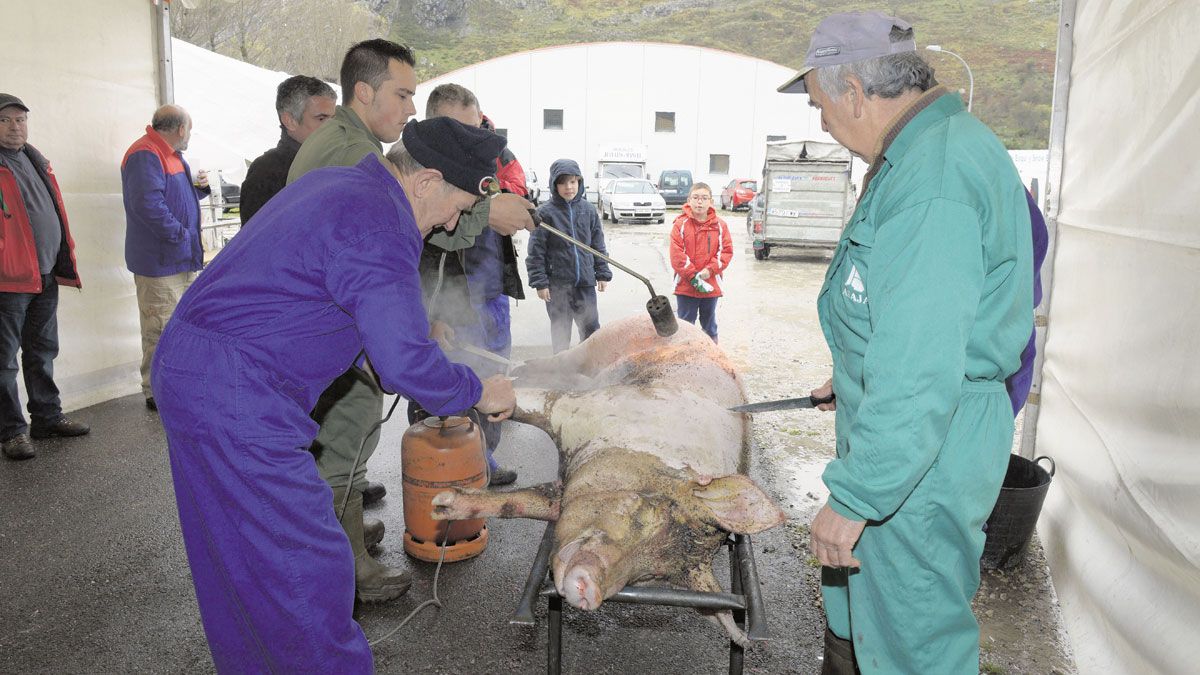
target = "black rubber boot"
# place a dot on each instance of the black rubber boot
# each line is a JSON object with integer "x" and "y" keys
{"x": 839, "y": 656}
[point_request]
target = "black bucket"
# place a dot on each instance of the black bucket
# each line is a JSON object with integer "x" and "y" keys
{"x": 1015, "y": 515}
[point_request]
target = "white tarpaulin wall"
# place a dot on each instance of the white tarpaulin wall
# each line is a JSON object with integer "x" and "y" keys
{"x": 1121, "y": 382}
{"x": 86, "y": 70}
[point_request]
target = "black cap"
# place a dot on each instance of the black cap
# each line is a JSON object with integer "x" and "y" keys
{"x": 465, "y": 155}
{"x": 8, "y": 99}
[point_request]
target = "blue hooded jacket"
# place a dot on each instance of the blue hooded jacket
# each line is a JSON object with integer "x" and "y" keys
{"x": 555, "y": 261}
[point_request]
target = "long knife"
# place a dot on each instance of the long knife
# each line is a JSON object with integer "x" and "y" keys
{"x": 784, "y": 404}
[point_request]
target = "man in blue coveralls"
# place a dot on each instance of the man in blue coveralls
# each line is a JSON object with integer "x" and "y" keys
{"x": 327, "y": 275}
{"x": 926, "y": 308}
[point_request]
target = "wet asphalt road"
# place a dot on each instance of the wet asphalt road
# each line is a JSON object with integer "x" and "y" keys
{"x": 93, "y": 576}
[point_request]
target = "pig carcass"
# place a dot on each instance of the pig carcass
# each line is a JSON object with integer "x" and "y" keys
{"x": 652, "y": 463}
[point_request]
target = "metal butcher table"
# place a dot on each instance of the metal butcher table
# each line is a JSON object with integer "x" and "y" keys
{"x": 745, "y": 601}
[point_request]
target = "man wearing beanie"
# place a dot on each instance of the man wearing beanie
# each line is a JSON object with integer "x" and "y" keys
{"x": 926, "y": 307}
{"x": 328, "y": 275}
{"x": 378, "y": 85}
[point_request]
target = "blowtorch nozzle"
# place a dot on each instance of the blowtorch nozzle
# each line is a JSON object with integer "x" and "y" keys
{"x": 658, "y": 306}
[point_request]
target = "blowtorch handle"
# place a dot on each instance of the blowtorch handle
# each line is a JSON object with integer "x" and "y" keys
{"x": 540, "y": 223}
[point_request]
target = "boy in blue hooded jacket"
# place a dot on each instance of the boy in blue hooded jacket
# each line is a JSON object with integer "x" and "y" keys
{"x": 565, "y": 276}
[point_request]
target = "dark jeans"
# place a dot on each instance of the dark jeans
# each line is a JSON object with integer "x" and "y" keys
{"x": 29, "y": 322}
{"x": 706, "y": 307}
{"x": 572, "y": 304}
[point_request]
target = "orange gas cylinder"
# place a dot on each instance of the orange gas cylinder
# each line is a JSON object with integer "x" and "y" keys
{"x": 439, "y": 454}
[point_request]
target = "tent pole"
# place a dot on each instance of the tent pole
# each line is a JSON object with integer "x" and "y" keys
{"x": 1052, "y": 207}
{"x": 162, "y": 44}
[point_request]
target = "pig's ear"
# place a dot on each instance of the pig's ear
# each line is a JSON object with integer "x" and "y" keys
{"x": 739, "y": 505}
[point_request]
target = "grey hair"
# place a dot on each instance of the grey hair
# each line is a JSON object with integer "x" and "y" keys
{"x": 293, "y": 93}
{"x": 405, "y": 164}
{"x": 884, "y": 76}
{"x": 168, "y": 118}
{"x": 445, "y": 94}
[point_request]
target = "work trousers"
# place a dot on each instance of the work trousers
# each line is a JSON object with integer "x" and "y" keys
{"x": 29, "y": 323}
{"x": 347, "y": 411}
{"x": 910, "y": 603}
{"x": 571, "y": 304}
{"x": 688, "y": 307}
{"x": 273, "y": 570}
{"x": 157, "y": 297}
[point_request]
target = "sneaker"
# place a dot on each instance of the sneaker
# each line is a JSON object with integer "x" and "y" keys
{"x": 59, "y": 427}
{"x": 18, "y": 447}
{"x": 502, "y": 476}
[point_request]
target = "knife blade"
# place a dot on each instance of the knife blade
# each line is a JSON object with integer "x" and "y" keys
{"x": 783, "y": 404}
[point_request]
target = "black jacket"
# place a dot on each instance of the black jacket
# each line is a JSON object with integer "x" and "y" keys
{"x": 555, "y": 261}
{"x": 267, "y": 175}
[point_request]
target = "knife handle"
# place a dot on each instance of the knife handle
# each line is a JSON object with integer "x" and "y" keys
{"x": 822, "y": 401}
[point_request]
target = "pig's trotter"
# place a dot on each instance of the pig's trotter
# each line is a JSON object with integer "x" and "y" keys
{"x": 539, "y": 503}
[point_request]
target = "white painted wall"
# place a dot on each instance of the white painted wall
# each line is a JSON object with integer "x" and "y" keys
{"x": 724, "y": 103}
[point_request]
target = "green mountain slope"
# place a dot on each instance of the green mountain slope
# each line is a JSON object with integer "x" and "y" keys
{"x": 1009, "y": 44}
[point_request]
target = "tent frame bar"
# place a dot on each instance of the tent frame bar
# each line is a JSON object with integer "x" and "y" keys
{"x": 1052, "y": 207}
{"x": 162, "y": 46}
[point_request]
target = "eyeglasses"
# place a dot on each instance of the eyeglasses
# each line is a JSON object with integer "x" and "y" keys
{"x": 700, "y": 198}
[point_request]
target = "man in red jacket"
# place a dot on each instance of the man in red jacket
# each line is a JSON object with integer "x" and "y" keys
{"x": 37, "y": 255}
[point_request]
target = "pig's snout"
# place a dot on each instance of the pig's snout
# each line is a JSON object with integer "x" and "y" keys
{"x": 580, "y": 585}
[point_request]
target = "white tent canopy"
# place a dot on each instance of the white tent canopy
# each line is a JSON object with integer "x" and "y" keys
{"x": 1120, "y": 394}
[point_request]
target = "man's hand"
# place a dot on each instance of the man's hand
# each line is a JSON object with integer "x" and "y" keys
{"x": 825, "y": 391}
{"x": 201, "y": 179}
{"x": 498, "y": 400}
{"x": 601, "y": 285}
{"x": 443, "y": 334}
{"x": 544, "y": 294}
{"x": 832, "y": 538}
{"x": 703, "y": 274}
{"x": 509, "y": 214}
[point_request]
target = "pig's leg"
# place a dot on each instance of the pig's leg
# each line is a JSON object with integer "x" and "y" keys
{"x": 539, "y": 502}
{"x": 702, "y": 579}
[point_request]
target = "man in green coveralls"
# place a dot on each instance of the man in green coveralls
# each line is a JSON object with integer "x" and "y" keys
{"x": 378, "y": 85}
{"x": 926, "y": 310}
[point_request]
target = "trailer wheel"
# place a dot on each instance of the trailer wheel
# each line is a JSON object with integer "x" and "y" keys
{"x": 760, "y": 254}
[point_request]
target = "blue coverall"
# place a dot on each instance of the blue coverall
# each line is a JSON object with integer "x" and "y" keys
{"x": 926, "y": 308}
{"x": 329, "y": 271}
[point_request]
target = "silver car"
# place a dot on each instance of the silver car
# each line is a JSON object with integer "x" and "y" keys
{"x": 631, "y": 199}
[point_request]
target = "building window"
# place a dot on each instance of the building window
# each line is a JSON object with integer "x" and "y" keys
{"x": 664, "y": 121}
{"x": 772, "y": 137}
{"x": 552, "y": 118}
{"x": 718, "y": 164}
{"x": 502, "y": 132}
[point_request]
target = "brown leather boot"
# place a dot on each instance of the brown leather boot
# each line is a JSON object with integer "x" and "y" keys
{"x": 373, "y": 581}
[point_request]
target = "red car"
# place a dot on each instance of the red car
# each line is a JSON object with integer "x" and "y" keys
{"x": 738, "y": 194}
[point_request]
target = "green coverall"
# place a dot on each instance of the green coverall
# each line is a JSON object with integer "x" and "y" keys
{"x": 926, "y": 308}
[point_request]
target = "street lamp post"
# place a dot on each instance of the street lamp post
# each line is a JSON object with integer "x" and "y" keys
{"x": 970, "y": 77}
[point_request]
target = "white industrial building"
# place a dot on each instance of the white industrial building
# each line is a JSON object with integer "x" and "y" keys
{"x": 707, "y": 111}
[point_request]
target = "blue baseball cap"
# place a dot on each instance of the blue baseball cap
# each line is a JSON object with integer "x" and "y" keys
{"x": 850, "y": 37}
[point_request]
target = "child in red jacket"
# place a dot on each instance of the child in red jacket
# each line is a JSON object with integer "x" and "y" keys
{"x": 700, "y": 252}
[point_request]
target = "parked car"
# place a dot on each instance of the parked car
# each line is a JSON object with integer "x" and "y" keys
{"x": 231, "y": 195}
{"x": 738, "y": 193}
{"x": 631, "y": 199}
{"x": 534, "y": 192}
{"x": 674, "y": 185}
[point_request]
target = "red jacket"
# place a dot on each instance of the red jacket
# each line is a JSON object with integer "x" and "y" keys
{"x": 696, "y": 245}
{"x": 19, "y": 272}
